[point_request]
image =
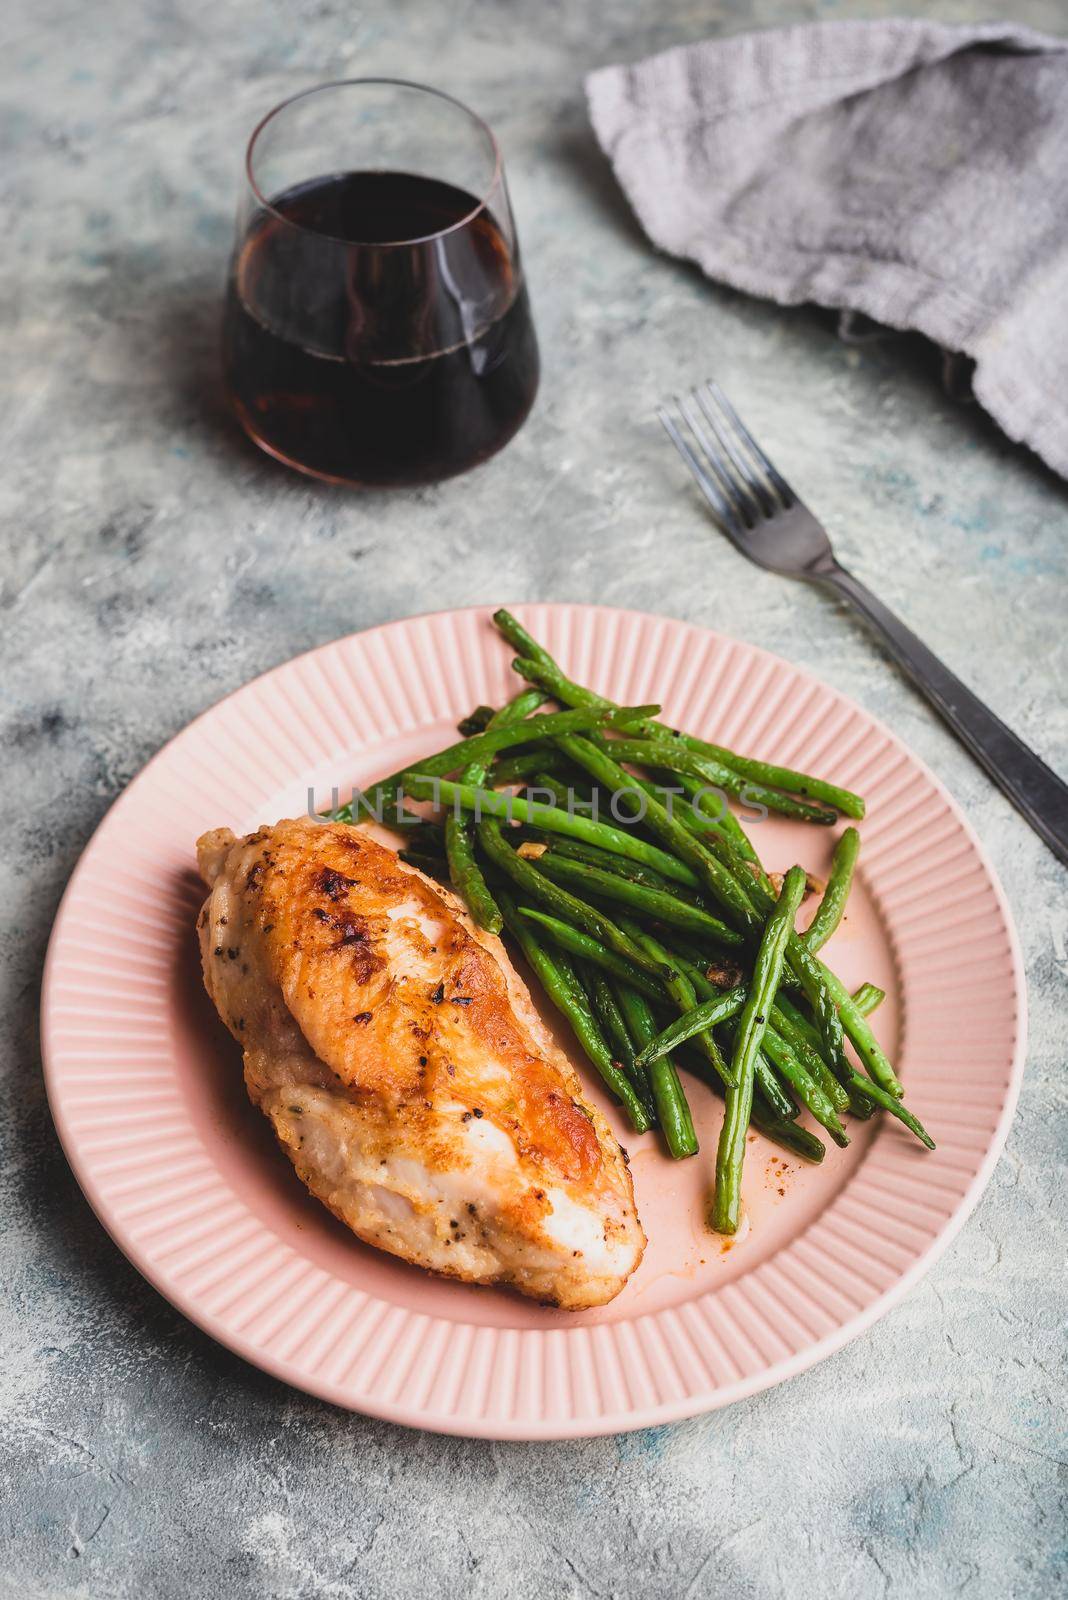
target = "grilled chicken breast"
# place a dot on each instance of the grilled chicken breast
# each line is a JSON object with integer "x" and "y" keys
{"x": 405, "y": 1070}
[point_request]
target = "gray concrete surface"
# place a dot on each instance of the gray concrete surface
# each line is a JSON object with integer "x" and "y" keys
{"x": 152, "y": 562}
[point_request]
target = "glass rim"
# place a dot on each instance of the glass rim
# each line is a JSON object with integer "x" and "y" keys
{"x": 362, "y": 83}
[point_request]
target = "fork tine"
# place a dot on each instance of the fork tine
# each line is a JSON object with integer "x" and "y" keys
{"x": 762, "y": 502}
{"x": 744, "y": 507}
{"x": 708, "y": 485}
{"x": 774, "y": 475}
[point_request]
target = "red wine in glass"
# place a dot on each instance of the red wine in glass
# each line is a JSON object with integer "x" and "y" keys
{"x": 377, "y": 327}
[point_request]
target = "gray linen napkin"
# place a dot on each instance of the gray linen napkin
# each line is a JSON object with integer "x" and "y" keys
{"x": 911, "y": 171}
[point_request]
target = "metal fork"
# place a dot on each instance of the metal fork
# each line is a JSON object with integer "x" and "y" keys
{"x": 766, "y": 520}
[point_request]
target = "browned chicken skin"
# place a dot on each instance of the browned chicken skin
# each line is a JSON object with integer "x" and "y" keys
{"x": 405, "y": 1070}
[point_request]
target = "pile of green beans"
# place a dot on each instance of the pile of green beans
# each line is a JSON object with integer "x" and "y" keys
{"x": 652, "y": 926}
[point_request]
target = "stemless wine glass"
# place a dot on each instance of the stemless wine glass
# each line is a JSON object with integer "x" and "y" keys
{"x": 377, "y": 328}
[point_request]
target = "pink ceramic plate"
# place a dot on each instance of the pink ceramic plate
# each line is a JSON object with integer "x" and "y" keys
{"x": 145, "y": 1085}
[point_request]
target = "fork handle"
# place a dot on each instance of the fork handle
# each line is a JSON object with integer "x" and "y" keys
{"x": 1033, "y": 788}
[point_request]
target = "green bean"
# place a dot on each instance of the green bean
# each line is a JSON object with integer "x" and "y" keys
{"x": 709, "y": 1014}
{"x": 868, "y": 998}
{"x": 854, "y": 1021}
{"x": 572, "y": 780}
{"x": 606, "y": 1010}
{"x": 815, "y": 980}
{"x": 721, "y": 816}
{"x": 464, "y": 870}
{"x": 891, "y": 1103}
{"x": 867, "y": 1046}
{"x": 813, "y": 977}
{"x": 797, "y": 1021}
{"x": 518, "y": 637}
{"x": 698, "y": 817}
{"x": 860, "y": 1106}
{"x": 545, "y": 788}
{"x": 767, "y": 973}
{"x": 822, "y": 990}
{"x": 638, "y": 1015}
{"x": 623, "y": 866}
{"x": 680, "y": 990}
{"x": 557, "y": 978}
{"x": 577, "y": 943}
{"x": 387, "y": 793}
{"x": 830, "y": 909}
{"x": 652, "y": 902}
{"x": 804, "y": 1085}
{"x": 489, "y": 743}
{"x": 807, "y": 1051}
{"x": 793, "y": 1106}
{"x": 774, "y": 1096}
{"x": 739, "y": 859}
{"x": 561, "y": 902}
{"x": 700, "y": 958}
{"x": 672, "y": 1107}
{"x": 781, "y": 1021}
{"x": 516, "y": 769}
{"x": 570, "y": 693}
{"x": 673, "y": 1110}
{"x": 747, "y": 776}
{"x": 724, "y": 836}
{"x": 421, "y": 786}
{"x": 675, "y": 757}
{"x": 799, "y": 1141}
{"x": 804, "y": 1046}
{"x": 723, "y": 822}
{"x": 595, "y": 801}
{"x": 475, "y": 721}
{"x": 550, "y": 789}
{"x": 668, "y": 829}
{"x": 780, "y": 1049}
{"x": 787, "y": 778}
{"x": 685, "y": 997}
{"x": 558, "y": 846}
{"x": 860, "y": 1091}
{"x": 609, "y": 1014}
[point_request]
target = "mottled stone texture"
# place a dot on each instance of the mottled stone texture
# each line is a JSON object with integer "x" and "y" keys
{"x": 152, "y": 562}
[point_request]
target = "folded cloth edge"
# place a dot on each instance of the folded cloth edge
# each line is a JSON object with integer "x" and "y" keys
{"x": 768, "y": 60}
{"x": 1021, "y": 406}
